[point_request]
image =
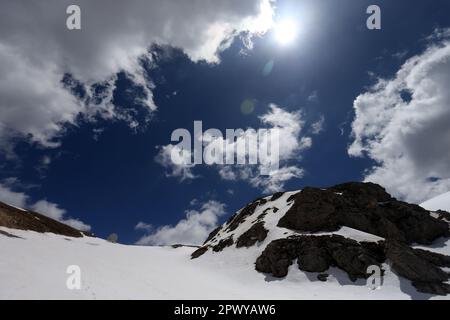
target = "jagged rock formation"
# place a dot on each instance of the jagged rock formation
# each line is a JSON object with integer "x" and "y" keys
{"x": 223, "y": 244}
{"x": 366, "y": 207}
{"x": 235, "y": 221}
{"x": 318, "y": 254}
{"x": 317, "y": 229}
{"x": 256, "y": 233}
{"x": 419, "y": 266}
{"x": 15, "y": 218}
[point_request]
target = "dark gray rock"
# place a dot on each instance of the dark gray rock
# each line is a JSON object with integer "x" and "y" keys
{"x": 322, "y": 277}
{"x": 199, "y": 252}
{"x": 244, "y": 213}
{"x": 443, "y": 215}
{"x": 277, "y": 257}
{"x": 223, "y": 244}
{"x": 362, "y": 206}
{"x": 313, "y": 255}
{"x": 256, "y": 233}
{"x": 437, "y": 259}
{"x": 317, "y": 254}
{"x": 276, "y": 196}
{"x": 213, "y": 234}
{"x": 418, "y": 266}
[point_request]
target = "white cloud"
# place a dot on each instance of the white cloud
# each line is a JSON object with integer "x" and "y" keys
{"x": 313, "y": 97}
{"x": 49, "y": 209}
{"x": 403, "y": 124}
{"x": 318, "y": 126}
{"x": 192, "y": 230}
{"x": 182, "y": 169}
{"x": 290, "y": 126}
{"x": 277, "y": 178}
{"x": 143, "y": 226}
{"x": 8, "y": 196}
{"x": 52, "y": 210}
{"x": 269, "y": 184}
{"x": 32, "y": 99}
{"x": 36, "y": 50}
{"x": 291, "y": 144}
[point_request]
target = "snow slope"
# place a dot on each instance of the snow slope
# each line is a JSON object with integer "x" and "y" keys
{"x": 271, "y": 220}
{"x": 441, "y": 202}
{"x": 33, "y": 266}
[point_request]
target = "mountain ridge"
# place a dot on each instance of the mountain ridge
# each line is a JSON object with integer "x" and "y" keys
{"x": 23, "y": 219}
{"x": 254, "y": 255}
{"x": 314, "y": 227}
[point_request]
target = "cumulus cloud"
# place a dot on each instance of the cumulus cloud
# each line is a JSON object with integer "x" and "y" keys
{"x": 403, "y": 124}
{"x": 192, "y": 230}
{"x": 49, "y": 209}
{"x": 52, "y": 210}
{"x": 181, "y": 169}
{"x": 17, "y": 199}
{"x": 277, "y": 178}
{"x": 143, "y": 226}
{"x": 33, "y": 101}
{"x": 289, "y": 126}
{"x": 269, "y": 184}
{"x": 318, "y": 126}
{"x": 37, "y": 50}
{"x": 260, "y": 174}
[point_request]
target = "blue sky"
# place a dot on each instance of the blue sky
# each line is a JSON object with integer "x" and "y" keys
{"x": 104, "y": 172}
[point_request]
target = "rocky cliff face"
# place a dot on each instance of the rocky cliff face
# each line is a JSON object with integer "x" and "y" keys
{"x": 349, "y": 226}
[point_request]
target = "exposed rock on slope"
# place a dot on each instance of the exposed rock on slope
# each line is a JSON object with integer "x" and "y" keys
{"x": 256, "y": 233}
{"x": 349, "y": 226}
{"x": 420, "y": 266}
{"x": 318, "y": 254}
{"x": 366, "y": 207}
{"x": 15, "y": 218}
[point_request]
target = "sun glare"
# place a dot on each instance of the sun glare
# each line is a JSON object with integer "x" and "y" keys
{"x": 286, "y": 31}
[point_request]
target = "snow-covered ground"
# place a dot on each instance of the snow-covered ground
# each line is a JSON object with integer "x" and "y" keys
{"x": 34, "y": 265}
{"x": 441, "y": 202}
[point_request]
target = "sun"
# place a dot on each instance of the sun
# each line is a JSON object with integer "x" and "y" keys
{"x": 286, "y": 31}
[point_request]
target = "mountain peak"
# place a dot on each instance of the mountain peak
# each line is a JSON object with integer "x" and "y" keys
{"x": 350, "y": 226}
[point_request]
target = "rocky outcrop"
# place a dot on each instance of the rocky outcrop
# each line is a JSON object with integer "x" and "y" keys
{"x": 213, "y": 234}
{"x": 323, "y": 277}
{"x": 318, "y": 254}
{"x": 265, "y": 212}
{"x": 200, "y": 251}
{"x": 276, "y": 196}
{"x": 443, "y": 215}
{"x": 14, "y": 218}
{"x": 236, "y": 220}
{"x": 256, "y": 233}
{"x": 419, "y": 266}
{"x": 223, "y": 244}
{"x": 363, "y": 206}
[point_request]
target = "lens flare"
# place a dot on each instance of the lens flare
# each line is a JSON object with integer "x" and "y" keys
{"x": 286, "y": 31}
